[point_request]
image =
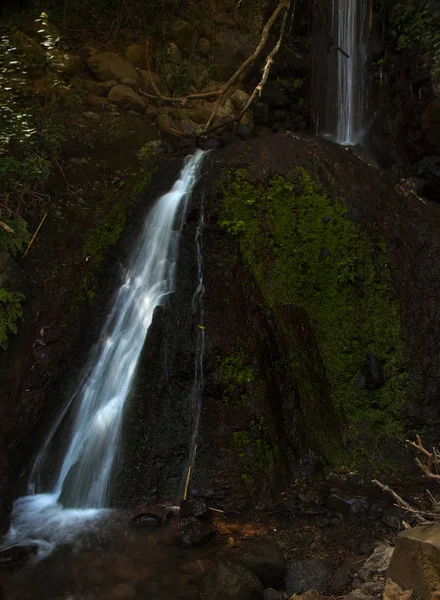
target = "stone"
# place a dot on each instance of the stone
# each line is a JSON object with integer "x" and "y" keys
{"x": 359, "y": 595}
{"x": 147, "y": 80}
{"x": 156, "y": 147}
{"x": 229, "y": 49}
{"x": 15, "y": 557}
{"x": 109, "y": 65}
{"x": 207, "y": 31}
{"x": 393, "y": 591}
{"x": 239, "y": 98}
{"x": 194, "y": 532}
{"x": 225, "y": 19}
{"x": 165, "y": 123}
{"x": 339, "y": 582}
{"x": 205, "y": 46}
{"x": 244, "y": 132}
{"x": 310, "y": 595}
{"x": 229, "y": 580}
{"x": 195, "y": 507}
{"x": 91, "y": 115}
{"x": 271, "y": 594}
{"x": 64, "y": 63}
{"x": 46, "y": 87}
{"x": 151, "y": 112}
{"x": 377, "y": 563}
{"x": 124, "y": 96}
{"x": 265, "y": 559}
{"x": 261, "y": 113}
{"x": 135, "y": 55}
{"x": 415, "y": 563}
{"x": 174, "y": 54}
{"x": 99, "y": 88}
{"x": 201, "y": 113}
{"x": 131, "y": 83}
{"x": 95, "y": 100}
{"x": 29, "y": 47}
{"x": 304, "y": 575}
{"x": 198, "y": 72}
{"x": 184, "y": 35}
{"x": 187, "y": 127}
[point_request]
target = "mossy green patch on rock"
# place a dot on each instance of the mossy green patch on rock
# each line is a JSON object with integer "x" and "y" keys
{"x": 305, "y": 250}
{"x": 110, "y": 223}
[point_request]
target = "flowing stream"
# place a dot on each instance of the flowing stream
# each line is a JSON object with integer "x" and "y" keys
{"x": 79, "y": 494}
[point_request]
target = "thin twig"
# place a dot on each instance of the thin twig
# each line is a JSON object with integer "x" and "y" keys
{"x": 35, "y": 234}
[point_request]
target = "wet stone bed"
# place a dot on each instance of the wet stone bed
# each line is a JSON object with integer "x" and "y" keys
{"x": 302, "y": 542}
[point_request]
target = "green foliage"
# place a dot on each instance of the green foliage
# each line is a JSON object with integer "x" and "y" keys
{"x": 234, "y": 227}
{"x": 417, "y": 29}
{"x": 14, "y": 242}
{"x": 304, "y": 251}
{"x": 234, "y": 369}
{"x": 10, "y": 313}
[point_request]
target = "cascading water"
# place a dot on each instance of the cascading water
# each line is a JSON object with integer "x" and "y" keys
{"x": 340, "y": 86}
{"x": 83, "y": 479}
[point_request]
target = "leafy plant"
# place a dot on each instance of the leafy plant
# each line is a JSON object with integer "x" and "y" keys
{"x": 235, "y": 227}
{"x": 10, "y": 313}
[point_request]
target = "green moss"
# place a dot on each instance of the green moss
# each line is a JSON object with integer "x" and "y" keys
{"x": 10, "y": 313}
{"x": 251, "y": 444}
{"x": 15, "y": 242}
{"x": 234, "y": 370}
{"x": 110, "y": 223}
{"x": 304, "y": 251}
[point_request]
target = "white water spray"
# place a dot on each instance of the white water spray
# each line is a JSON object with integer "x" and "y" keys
{"x": 97, "y": 407}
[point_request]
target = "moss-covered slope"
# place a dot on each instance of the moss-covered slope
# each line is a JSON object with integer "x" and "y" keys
{"x": 307, "y": 249}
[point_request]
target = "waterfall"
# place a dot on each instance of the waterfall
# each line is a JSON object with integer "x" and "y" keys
{"x": 80, "y": 492}
{"x": 340, "y": 82}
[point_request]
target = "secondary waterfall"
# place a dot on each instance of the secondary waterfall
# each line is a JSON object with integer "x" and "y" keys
{"x": 197, "y": 388}
{"x": 97, "y": 407}
{"x": 341, "y": 86}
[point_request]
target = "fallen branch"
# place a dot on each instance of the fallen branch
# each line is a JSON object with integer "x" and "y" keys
{"x": 401, "y": 502}
{"x": 183, "y": 100}
{"x": 283, "y": 6}
{"x": 269, "y": 61}
{"x": 432, "y": 459}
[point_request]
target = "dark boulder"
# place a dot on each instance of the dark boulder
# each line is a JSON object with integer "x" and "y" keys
{"x": 15, "y": 557}
{"x": 265, "y": 559}
{"x": 275, "y": 98}
{"x": 194, "y": 532}
{"x": 304, "y": 575}
{"x": 229, "y": 580}
{"x": 195, "y": 507}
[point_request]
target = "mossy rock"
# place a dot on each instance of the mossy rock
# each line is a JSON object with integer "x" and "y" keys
{"x": 307, "y": 251}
